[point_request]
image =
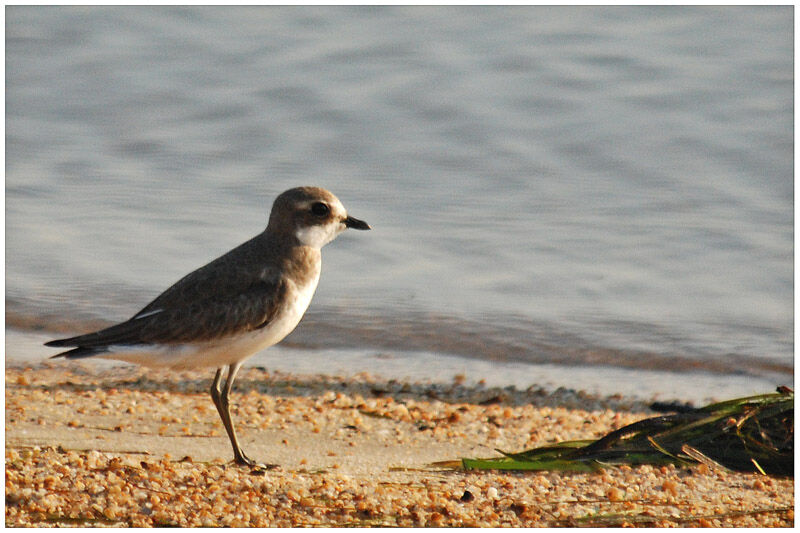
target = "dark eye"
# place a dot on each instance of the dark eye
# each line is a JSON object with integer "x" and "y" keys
{"x": 319, "y": 209}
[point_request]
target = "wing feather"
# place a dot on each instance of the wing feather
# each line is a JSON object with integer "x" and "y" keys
{"x": 207, "y": 304}
{"x": 211, "y": 318}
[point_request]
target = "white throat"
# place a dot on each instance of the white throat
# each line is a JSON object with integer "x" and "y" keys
{"x": 319, "y": 236}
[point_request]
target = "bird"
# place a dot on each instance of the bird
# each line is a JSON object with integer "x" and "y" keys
{"x": 238, "y": 304}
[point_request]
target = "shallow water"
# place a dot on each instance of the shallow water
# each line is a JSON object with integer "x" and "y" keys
{"x": 568, "y": 186}
{"x": 697, "y": 388}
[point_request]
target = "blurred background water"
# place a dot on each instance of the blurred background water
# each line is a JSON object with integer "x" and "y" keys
{"x": 588, "y": 189}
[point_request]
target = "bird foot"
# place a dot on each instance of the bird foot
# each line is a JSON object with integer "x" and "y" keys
{"x": 256, "y": 467}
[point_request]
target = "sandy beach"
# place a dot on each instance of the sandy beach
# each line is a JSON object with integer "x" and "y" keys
{"x": 93, "y": 445}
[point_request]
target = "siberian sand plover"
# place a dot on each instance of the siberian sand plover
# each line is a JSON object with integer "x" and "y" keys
{"x": 240, "y": 303}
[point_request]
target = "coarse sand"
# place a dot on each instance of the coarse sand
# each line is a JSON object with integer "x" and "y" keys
{"x": 94, "y": 445}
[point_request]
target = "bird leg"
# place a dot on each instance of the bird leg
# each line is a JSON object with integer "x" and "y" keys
{"x": 220, "y": 398}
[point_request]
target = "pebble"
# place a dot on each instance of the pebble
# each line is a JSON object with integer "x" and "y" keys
{"x": 54, "y": 486}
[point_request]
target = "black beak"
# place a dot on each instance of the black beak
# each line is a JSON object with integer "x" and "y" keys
{"x": 354, "y": 223}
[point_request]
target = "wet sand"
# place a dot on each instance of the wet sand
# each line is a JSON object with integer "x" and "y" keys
{"x": 91, "y": 445}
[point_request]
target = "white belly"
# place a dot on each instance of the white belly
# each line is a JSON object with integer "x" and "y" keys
{"x": 223, "y": 351}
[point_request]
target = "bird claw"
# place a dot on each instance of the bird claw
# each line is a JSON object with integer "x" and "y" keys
{"x": 261, "y": 468}
{"x": 255, "y": 466}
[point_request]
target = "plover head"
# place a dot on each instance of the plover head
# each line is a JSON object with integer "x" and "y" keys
{"x": 314, "y": 216}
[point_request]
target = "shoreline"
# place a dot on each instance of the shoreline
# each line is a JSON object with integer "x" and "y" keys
{"x": 646, "y": 385}
{"x": 88, "y": 444}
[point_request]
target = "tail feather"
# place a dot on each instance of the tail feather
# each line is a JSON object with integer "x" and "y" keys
{"x": 60, "y": 342}
{"x": 76, "y": 353}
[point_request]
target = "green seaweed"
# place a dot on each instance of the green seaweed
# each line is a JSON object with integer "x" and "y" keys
{"x": 752, "y": 434}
